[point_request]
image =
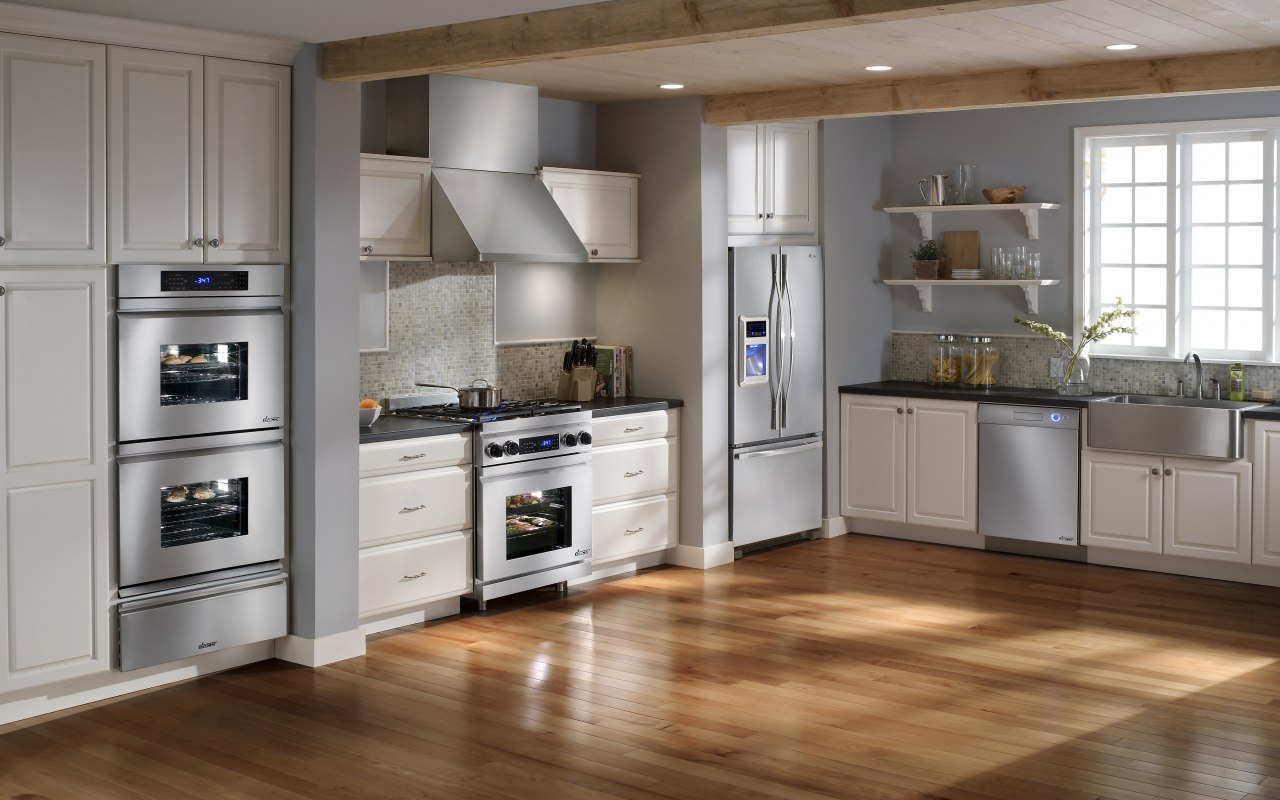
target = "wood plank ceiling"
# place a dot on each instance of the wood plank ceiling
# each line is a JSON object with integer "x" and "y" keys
{"x": 997, "y": 38}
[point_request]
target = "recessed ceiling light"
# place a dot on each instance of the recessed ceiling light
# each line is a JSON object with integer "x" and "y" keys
{"x": 671, "y": 86}
{"x": 878, "y": 68}
{"x": 1122, "y": 47}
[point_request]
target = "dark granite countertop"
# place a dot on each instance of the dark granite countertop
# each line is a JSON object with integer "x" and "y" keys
{"x": 1270, "y": 412}
{"x": 628, "y": 405}
{"x": 389, "y": 429}
{"x": 1005, "y": 395}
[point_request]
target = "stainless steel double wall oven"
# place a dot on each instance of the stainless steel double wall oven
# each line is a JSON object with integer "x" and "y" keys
{"x": 200, "y": 411}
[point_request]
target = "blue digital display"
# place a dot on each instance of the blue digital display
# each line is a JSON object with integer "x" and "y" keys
{"x": 203, "y": 280}
{"x": 546, "y": 443}
{"x": 539, "y": 444}
{"x": 756, "y": 360}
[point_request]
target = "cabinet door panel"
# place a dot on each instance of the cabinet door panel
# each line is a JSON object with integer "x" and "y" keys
{"x": 1266, "y": 493}
{"x": 156, "y": 118}
{"x": 246, "y": 162}
{"x": 603, "y": 210}
{"x": 1121, "y": 502}
{"x": 395, "y": 206}
{"x": 633, "y": 528}
{"x": 410, "y": 573}
{"x": 622, "y": 471}
{"x": 53, "y": 141}
{"x": 873, "y": 456}
{"x": 942, "y": 457}
{"x": 1207, "y": 509}
{"x": 414, "y": 503}
{"x": 791, "y": 189}
{"x": 745, "y": 179}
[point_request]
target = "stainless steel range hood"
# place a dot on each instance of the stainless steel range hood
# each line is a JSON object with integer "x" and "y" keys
{"x": 487, "y": 203}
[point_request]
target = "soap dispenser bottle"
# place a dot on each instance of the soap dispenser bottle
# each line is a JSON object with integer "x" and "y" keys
{"x": 1235, "y": 381}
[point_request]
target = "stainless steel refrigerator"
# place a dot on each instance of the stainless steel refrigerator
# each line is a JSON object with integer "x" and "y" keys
{"x": 776, "y": 388}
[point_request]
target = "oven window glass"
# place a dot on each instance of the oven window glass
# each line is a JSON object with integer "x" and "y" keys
{"x": 204, "y": 373}
{"x": 203, "y": 512}
{"x": 538, "y": 522}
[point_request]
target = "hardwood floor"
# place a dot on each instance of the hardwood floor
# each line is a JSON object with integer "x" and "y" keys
{"x": 849, "y": 668}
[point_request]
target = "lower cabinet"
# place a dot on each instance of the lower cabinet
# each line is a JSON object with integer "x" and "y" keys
{"x": 1265, "y": 445}
{"x": 635, "y": 482}
{"x": 1176, "y": 506}
{"x": 405, "y": 574}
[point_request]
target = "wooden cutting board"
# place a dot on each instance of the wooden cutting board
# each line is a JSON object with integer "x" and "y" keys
{"x": 962, "y": 250}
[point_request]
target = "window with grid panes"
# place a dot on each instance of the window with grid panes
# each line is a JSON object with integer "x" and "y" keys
{"x": 1179, "y": 222}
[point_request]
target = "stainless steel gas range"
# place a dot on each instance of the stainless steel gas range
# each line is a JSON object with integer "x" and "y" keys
{"x": 533, "y": 492}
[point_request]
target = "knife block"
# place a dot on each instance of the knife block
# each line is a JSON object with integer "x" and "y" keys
{"x": 578, "y": 385}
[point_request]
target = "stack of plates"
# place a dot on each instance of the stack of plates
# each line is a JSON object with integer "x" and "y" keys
{"x": 966, "y": 274}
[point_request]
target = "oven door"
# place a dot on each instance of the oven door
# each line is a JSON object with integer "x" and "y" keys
{"x": 533, "y": 517}
{"x": 199, "y": 511}
{"x": 198, "y": 372}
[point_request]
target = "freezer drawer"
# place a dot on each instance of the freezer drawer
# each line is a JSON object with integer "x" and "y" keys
{"x": 777, "y": 490}
{"x": 158, "y": 628}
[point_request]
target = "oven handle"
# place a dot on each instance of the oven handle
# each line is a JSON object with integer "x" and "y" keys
{"x": 537, "y": 465}
{"x": 193, "y": 304}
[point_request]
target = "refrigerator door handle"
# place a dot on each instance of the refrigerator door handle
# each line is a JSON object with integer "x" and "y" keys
{"x": 775, "y": 365}
{"x": 781, "y": 451}
{"x": 788, "y": 331}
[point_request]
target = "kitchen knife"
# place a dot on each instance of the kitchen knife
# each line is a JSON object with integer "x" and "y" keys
{"x": 574, "y": 354}
{"x": 585, "y": 345}
{"x": 591, "y": 356}
{"x": 568, "y": 362}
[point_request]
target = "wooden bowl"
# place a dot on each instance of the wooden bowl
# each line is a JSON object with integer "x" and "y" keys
{"x": 1004, "y": 194}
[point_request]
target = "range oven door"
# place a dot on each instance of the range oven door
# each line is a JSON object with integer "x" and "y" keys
{"x": 196, "y": 372}
{"x": 198, "y": 511}
{"x": 533, "y": 516}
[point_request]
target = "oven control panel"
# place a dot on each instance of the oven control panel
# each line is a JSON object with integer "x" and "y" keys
{"x": 513, "y": 441}
{"x": 190, "y": 280}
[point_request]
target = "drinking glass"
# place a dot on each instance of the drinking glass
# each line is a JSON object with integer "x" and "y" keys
{"x": 1033, "y": 269}
{"x": 997, "y": 263}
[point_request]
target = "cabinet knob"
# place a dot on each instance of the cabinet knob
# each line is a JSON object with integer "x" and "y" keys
{"x": 2, "y": 291}
{"x": 1155, "y": 470}
{"x": 760, "y": 215}
{"x": 3, "y": 241}
{"x": 898, "y": 410}
{"x": 214, "y": 243}
{"x": 595, "y": 252}
{"x": 769, "y": 215}
{"x": 366, "y": 249}
{"x": 911, "y": 411}
{"x": 1168, "y": 472}
{"x": 198, "y": 241}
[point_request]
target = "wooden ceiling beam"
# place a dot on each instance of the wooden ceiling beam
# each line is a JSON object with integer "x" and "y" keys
{"x": 617, "y": 26}
{"x": 1219, "y": 72}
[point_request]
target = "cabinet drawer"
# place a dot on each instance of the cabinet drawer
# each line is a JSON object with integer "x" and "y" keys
{"x": 419, "y": 571}
{"x": 414, "y": 503}
{"x": 633, "y": 470}
{"x": 634, "y": 427}
{"x": 382, "y": 458}
{"x": 632, "y": 528}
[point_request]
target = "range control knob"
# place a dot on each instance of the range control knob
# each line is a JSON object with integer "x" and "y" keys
{"x": 494, "y": 450}
{"x": 584, "y": 437}
{"x": 570, "y": 440}
{"x": 511, "y": 448}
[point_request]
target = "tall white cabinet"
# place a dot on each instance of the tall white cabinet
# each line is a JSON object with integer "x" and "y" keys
{"x": 199, "y": 160}
{"x": 53, "y": 141}
{"x": 54, "y": 494}
{"x": 773, "y": 178}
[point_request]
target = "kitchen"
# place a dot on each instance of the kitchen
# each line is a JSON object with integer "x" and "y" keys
{"x": 683, "y": 281}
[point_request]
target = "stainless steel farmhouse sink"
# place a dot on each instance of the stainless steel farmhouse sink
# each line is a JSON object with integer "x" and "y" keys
{"x": 1180, "y": 426}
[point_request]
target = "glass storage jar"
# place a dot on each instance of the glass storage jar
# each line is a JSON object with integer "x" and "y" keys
{"x": 979, "y": 362}
{"x": 944, "y": 360}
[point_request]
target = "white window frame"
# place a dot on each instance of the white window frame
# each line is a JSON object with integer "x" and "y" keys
{"x": 1086, "y": 301}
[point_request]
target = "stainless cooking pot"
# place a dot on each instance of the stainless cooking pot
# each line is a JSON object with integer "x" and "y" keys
{"x": 478, "y": 396}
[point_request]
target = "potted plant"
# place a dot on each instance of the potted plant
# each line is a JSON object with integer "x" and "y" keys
{"x": 1075, "y": 373}
{"x": 925, "y": 257}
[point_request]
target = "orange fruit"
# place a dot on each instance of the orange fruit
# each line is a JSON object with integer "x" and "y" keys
{"x": 367, "y": 403}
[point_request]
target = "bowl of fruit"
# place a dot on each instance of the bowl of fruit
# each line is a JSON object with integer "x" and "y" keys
{"x": 369, "y": 412}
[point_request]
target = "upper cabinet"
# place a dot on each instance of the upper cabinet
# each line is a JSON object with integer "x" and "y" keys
{"x": 199, "y": 159}
{"x": 773, "y": 178}
{"x": 602, "y": 207}
{"x": 53, "y": 141}
{"x": 395, "y": 207}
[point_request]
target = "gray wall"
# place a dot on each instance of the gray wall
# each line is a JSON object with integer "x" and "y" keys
{"x": 1029, "y": 146}
{"x": 855, "y": 168}
{"x": 566, "y": 134}
{"x": 658, "y": 305}
{"x": 325, "y": 367}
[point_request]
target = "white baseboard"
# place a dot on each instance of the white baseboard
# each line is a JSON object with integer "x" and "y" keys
{"x": 715, "y": 555}
{"x": 833, "y": 527}
{"x": 325, "y": 650}
{"x": 419, "y": 616}
{"x": 25, "y": 704}
{"x": 1181, "y": 565}
{"x": 916, "y": 533}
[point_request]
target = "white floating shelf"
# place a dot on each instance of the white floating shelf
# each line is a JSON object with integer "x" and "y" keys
{"x": 1031, "y": 289}
{"x": 1030, "y": 211}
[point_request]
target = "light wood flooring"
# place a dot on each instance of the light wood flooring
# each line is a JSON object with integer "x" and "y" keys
{"x": 849, "y": 668}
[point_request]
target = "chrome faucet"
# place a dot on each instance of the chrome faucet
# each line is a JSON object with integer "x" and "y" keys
{"x": 1199, "y": 372}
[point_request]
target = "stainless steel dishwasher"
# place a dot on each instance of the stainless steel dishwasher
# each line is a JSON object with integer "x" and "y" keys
{"x": 1029, "y": 473}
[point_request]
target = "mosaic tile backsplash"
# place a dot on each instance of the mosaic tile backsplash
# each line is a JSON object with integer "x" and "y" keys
{"x": 1024, "y": 363}
{"x": 440, "y": 319}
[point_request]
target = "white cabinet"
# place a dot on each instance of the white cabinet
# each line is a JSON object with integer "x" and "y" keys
{"x": 1265, "y": 440}
{"x": 415, "y": 522}
{"x": 1176, "y": 506}
{"x": 199, "y": 159}
{"x": 395, "y": 207}
{"x": 773, "y": 178}
{"x": 54, "y": 523}
{"x": 53, "y": 142}
{"x": 635, "y": 484}
{"x": 909, "y": 460}
{"x": 602, "y": 207}
{"x": 246, "y": 162}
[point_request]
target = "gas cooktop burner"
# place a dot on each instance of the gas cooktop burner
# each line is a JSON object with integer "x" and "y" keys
{"x": 511, "y": 409}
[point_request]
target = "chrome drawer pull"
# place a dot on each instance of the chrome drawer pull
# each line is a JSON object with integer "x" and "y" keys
{"x": 629, "y": 531}
{"x": 633, "y": 474}
{"x": 411, "y": 510}
{"x": 408, "y": 578}
{"x": 633, "y": 430}
{"x": 413, "y": 458}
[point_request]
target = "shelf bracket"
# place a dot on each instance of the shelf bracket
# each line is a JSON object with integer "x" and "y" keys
{"x": 1032, "y": 216}
{"x": 1033, "y": 298}
{"x": 926, "y": 296}
{"x": 925, "y": 218}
